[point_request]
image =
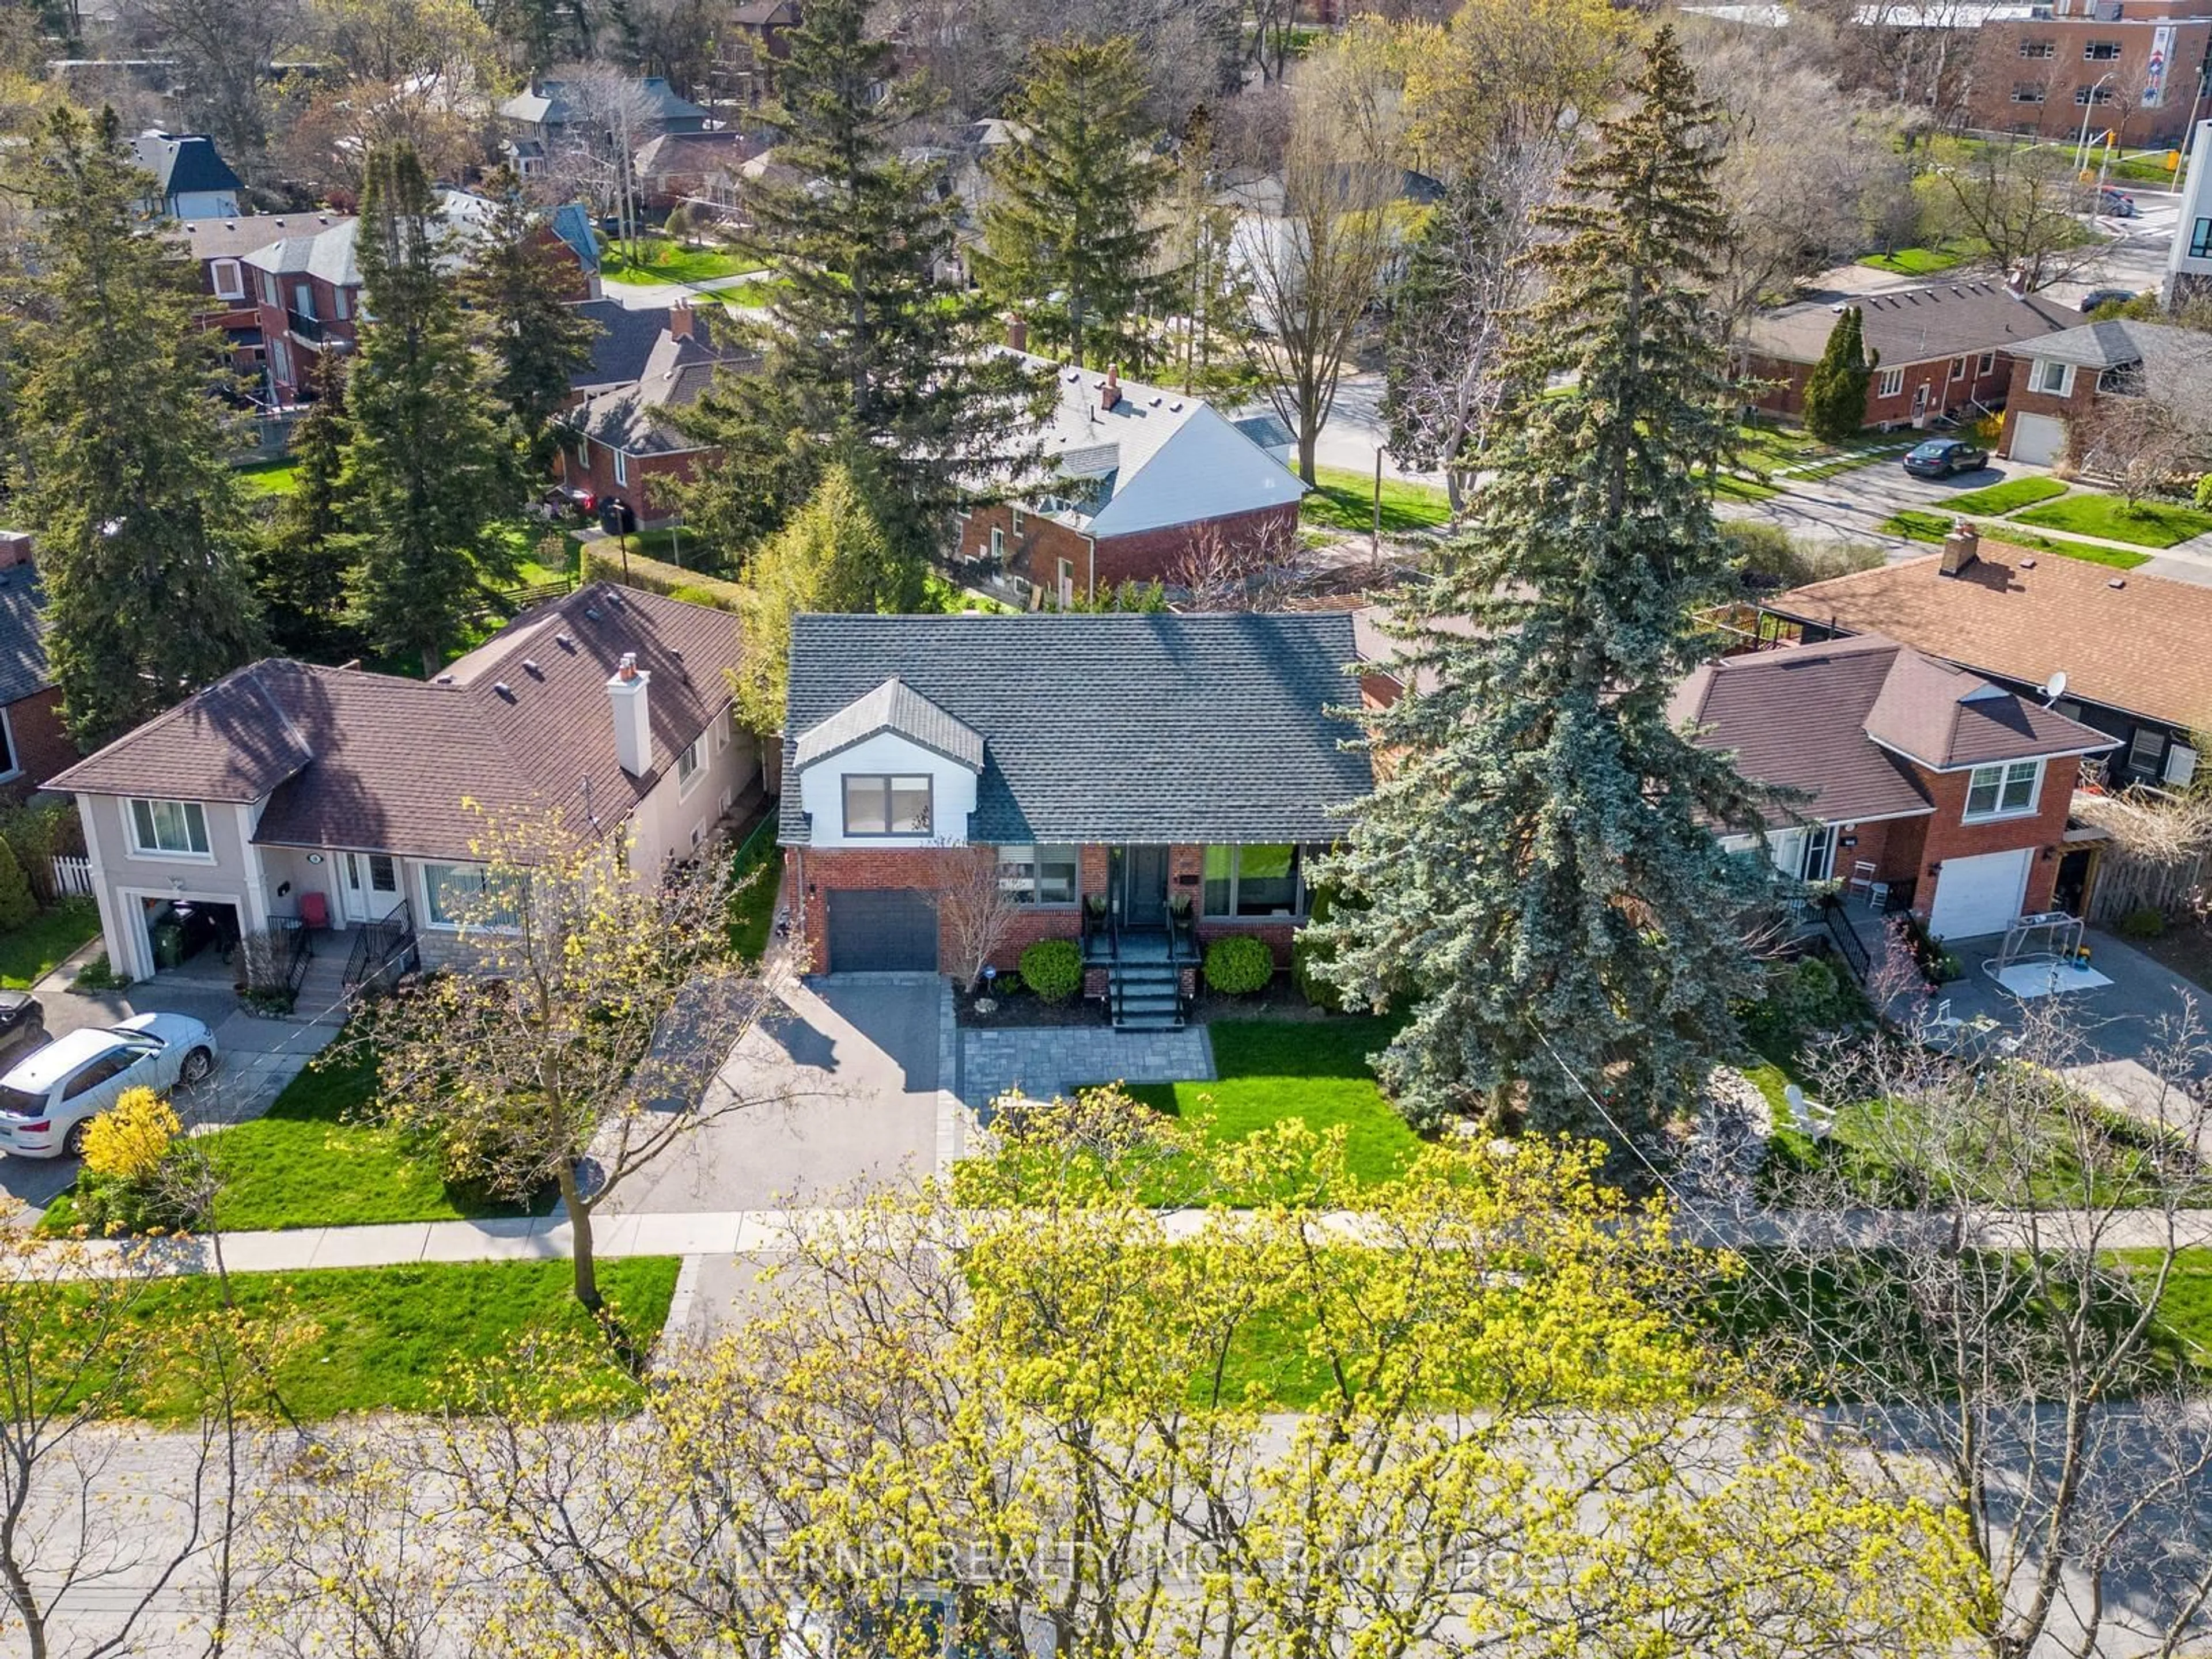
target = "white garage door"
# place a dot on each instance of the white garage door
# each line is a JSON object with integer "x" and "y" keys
{"x": 2036, "y": 439}
{"x": 1980, "y": 895}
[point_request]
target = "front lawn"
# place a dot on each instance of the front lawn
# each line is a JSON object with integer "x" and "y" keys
{"x": 1345, "y": 501}
{"x": 756, "y": 865}
{"x": 1926, "y": 261}
{"x": 44, "y": 943}
{"x": 277, "y": 477}
{"x": 313, "y": 1162}
{"x": 663, "y": 261}
{"x": 1919, "y": 526}
{"x": 1315, "y": 1071}
{"x": 2006, "y": 497}
{"x": 2147, "y": 523}
{"x": 385, "y": 1339}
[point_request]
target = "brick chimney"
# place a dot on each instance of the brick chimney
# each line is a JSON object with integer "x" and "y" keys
{"x": 15, "y": 548}
{"x": 1109, "y": 391}
{"x": 681, "y": 321}
{"x": 1960, "y": 548}
{"x": 627, "y": 691}
{"x": 1017, "y": 332}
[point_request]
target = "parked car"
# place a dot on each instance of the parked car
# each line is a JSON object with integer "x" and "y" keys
{"x": 2115, "y": 204}
{"x": 1939, "y": 458}
{"x": 49, "y": 1096}
{"x": 2105, "y": 296}
{"x": 22, "y": 1023}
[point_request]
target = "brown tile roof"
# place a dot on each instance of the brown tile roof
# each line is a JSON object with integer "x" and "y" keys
{"x": 2132, "y": 642}
{"x": 1796, "y": 719}
{"x": 1946, "y": 718}
{"x": 1833, "y": 720}
{"x": 374, "y": 761}
{"x": 1914, "y": 325}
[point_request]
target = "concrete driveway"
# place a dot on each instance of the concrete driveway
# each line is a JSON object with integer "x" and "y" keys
{"x": 846, "y": 1085}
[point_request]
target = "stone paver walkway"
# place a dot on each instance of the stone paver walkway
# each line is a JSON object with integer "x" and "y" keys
{"x": 1052, "y": 1060}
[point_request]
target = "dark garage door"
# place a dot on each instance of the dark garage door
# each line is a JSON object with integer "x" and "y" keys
{"x": 882, "y": 931}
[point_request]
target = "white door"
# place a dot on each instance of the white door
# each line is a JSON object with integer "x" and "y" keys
{"x": 371, "y": 885}
{"x": 2036, "y": 439}
{"x": 1980, "y": 896}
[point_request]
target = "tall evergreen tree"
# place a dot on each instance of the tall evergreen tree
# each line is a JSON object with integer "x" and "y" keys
{"x": 1836, "y": 389}
{"x": 299, "y": 570}
{"x": 862, "y": 344}
{"x": 121, "y": 457}
{"x": 1070, "y": 234}
{"x": 428, "y": 464}
{"x": 1536, "y": 875}
{"x": 518, "y": 285}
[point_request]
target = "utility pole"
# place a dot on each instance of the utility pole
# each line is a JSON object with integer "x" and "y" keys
{"x": 1376, "y": 546}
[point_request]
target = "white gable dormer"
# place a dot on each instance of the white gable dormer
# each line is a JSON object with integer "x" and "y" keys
{"x": 891, "y": 769}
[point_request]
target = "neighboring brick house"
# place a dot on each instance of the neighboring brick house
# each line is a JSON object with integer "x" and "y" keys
{"x": 1942, "y": 348}
{"x": 617, "y": 440}
{"x": 1147, "y": 782}
{"x": 1138, "y": 475}
{"x": 307, "y": 287}
{"x": 221, "y": 248}
{"x": 1945, "y": 788}
{"x": 694, "y": 168}
{"x": 2132, "y": 647}
{"x": 191, "y": 179}
{"x": 761, "y": 39}
{"x": 337, "y": 799}
{"x": 2059, "y": 381}
{"x": 538, "y": 119}
{"x": 34, "y": 744}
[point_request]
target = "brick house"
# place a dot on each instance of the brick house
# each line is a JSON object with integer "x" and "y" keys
{"x": 2059, "y": 381}
{"x": 1137, "y": 476}
{"x": 762, "y": 31}
{"x": 1093, "y": 753}
{"x": 698, "y": 167}
{"x": 221, "y": 247}
{"x": 1942, "y": 792}
{"x": 2130, "y": 646}
{"x": 34, "y": 744}
{"x": 1941, "y": 349}
{"x": 617, "y": 439}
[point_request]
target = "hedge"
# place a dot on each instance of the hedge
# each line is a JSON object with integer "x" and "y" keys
{"x": 603, "y": 562}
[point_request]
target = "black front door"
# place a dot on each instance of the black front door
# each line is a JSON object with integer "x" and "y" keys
{"x": 1144, "y": 886}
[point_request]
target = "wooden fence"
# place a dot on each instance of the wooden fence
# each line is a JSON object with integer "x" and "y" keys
{"x": 70, "y": 878}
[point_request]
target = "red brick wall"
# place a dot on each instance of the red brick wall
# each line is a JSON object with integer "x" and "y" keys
{"x": 652, "y": 505}
{"x": 2021, "y": 401}
{"x": 1998, "y": 68}
{"x": 43, "y": 749}
{"x": 1949, "y": 837}
{"x": 1034, "y": 550}
{"x": 1787, "y": 395}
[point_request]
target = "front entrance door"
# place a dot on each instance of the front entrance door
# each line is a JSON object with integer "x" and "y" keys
{"x": 1144, "y": 886}
{"x": 371, "y": 885}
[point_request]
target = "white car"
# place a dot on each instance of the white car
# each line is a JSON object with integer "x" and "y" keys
{"x": 50, "y": 1095}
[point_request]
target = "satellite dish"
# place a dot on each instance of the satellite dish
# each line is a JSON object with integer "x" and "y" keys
{"x": 2054, "y": 688}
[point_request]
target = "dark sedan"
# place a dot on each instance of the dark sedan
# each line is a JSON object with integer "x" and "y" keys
{"x": 1939, "y": 458}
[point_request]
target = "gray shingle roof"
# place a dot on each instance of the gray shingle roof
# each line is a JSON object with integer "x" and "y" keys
{"x": 23, "y": 670}
{"x": 183, "y": 163}
{"x": 898, "y": 708}
{"x": 1150, "y": 729}
{"x": 1914, "y": 325}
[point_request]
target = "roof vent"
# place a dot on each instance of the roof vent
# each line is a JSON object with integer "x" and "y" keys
{"x": 2116, "y": 583}
{"x": 1175, "y": 407}
{"x": 445, "y": 679}
{"x": 504, "y": 689}
{"x": 530, "y": 667}
{"x": 565, "y": 640}
{"x": 592, "y": 611}
{"x": 1074, "y": 376}
{"x": 615, "y": 598}
{"x": 1152, "y": 402}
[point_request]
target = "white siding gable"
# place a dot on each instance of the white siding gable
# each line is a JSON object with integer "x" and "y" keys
{"x": 822, "y": 792}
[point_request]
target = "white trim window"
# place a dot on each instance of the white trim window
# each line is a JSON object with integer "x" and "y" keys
{"x": 622, "y": 466}
{"x": 229, "y": 279}
{"x": 1044, "y": 876}
{"x": 690, "y": 764}
{"x": 1891, "y": 383}
{"x": 2008, "y": 790}
{"x": 1988, "y": 361}
{"x": 722, "y": 722}
{"x": 878, "y": 804}
{"x": 998, "y": 542}
{"x": 170, "y": 830}
{"x": 338, "y": 307}
{"x": 456, "y": 895}
{"x": 1251, "y": 881}
{"x": 2055, "y": 378}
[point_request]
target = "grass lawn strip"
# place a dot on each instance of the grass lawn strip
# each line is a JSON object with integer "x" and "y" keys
{"x": 312, "y": 1162}
{"x": 277, "y": 477}
{"x": 2006, "y": 497}
{"x": 1917, "y": 525}
{"x": 756, "y": 865}
{"x": 44, "y": 943}
{"x": 1343, "y": 500}
{"x": 383, "y": 1339}
{"x": 2147, "y": 523}
{"x": 665, "y": 262}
